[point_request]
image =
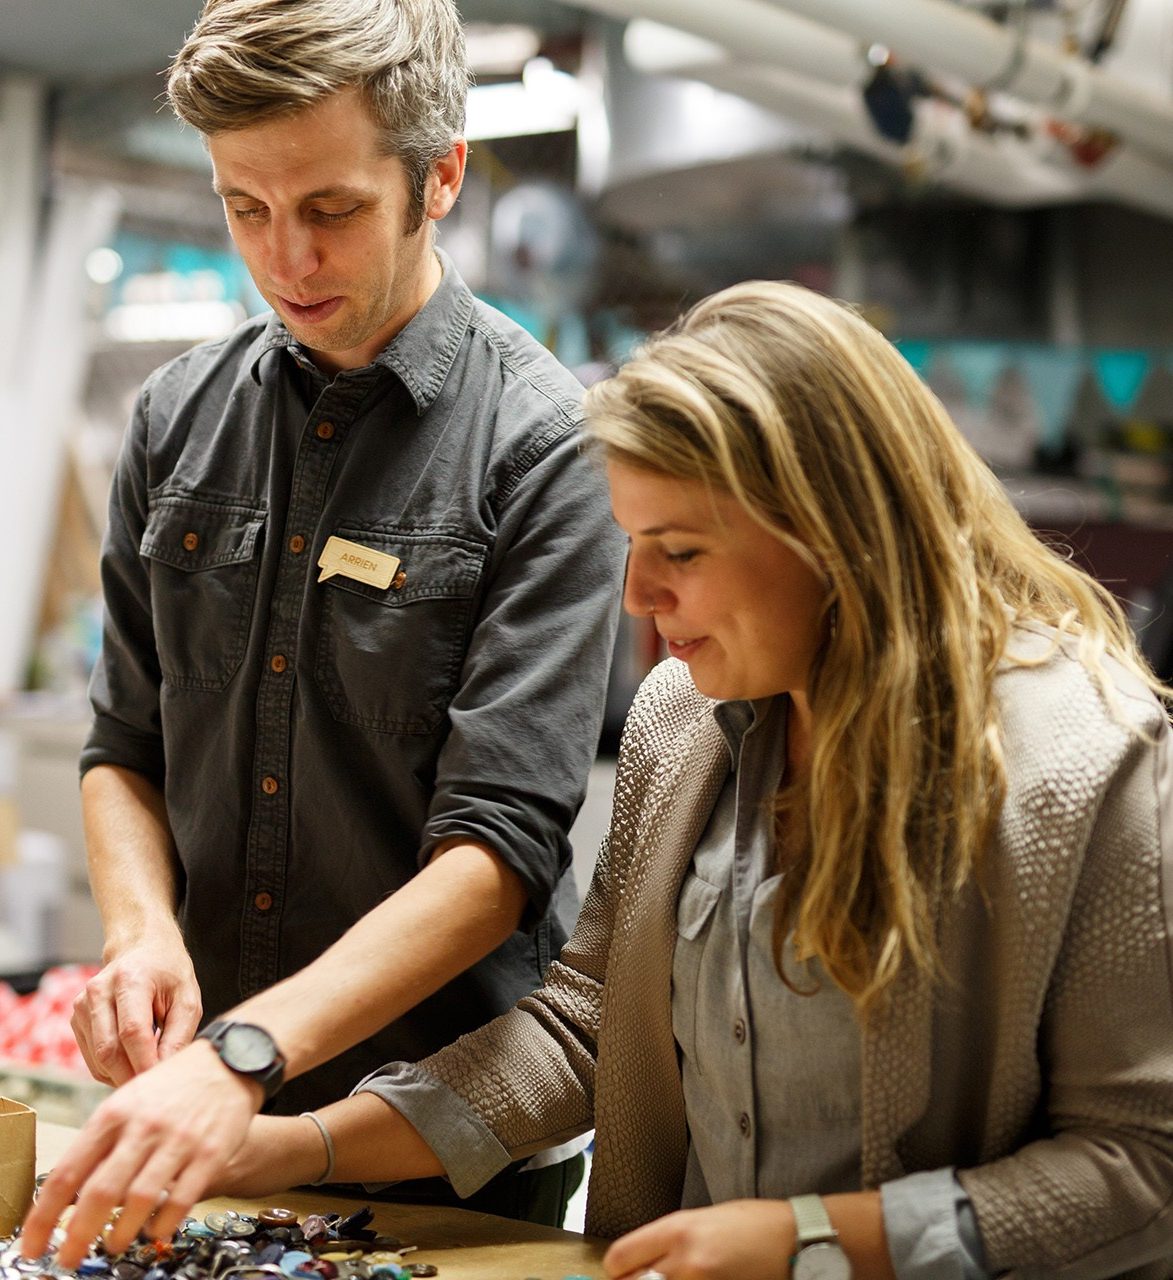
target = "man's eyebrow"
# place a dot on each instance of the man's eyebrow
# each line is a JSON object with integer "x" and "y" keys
{"x": 323, "y": 193}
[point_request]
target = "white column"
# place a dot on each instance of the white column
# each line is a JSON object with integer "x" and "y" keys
{"x": 44, "y": 350}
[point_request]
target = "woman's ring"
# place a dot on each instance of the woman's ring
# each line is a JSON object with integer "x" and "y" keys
{"x": 651, "y": 1275}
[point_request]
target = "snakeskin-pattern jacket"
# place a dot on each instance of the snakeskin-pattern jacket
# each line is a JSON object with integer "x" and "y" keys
{"x": 1042, "y": 1069}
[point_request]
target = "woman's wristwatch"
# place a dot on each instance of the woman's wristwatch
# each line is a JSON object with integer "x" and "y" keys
{"x": 818, "y": 1254}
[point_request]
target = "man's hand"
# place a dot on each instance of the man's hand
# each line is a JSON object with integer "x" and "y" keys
{"x": 142, "y": 1006}
{"x": 152, "y": 1147}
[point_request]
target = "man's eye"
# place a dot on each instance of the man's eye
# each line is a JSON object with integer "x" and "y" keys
{"x": 325, "y": 215}
{"x": 248, "y": 214}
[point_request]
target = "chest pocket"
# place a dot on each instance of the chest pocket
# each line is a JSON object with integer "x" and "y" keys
{"x": 203, "y": 565}
{"x": 694, "y": 913}
{"x": 389, "y": 660}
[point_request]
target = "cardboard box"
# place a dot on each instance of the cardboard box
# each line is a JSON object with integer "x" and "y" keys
{"x": 18, "y": 1156}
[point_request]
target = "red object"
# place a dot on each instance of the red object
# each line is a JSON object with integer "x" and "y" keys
{"x": 35, "y": 1030}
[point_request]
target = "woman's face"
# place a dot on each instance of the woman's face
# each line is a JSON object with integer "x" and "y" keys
{"x": 741, "y": 608}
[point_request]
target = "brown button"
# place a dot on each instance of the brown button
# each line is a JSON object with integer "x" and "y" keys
{"x": 278, "y": 663}
{"x": 739, "y": 1031}
{"x": 191, "y": 541}
{"x": 277, "y": 1217}
{"x": 398, "y": 581}
{"x": 269, "y": 786}
{"x": 324, "y": 431}
{"x": 297, "y": 544}
{"x": 263, "y": 901}
{"x": 744, "y": 1125}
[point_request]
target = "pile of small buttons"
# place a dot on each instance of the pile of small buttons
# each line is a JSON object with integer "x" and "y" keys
{"x": 273, "y": 1245}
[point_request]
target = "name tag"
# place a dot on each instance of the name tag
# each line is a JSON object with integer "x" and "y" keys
{"x": 351, "y": 560}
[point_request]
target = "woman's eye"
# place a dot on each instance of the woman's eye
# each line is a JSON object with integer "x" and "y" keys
{"x": 248, "y": 214}
{"x": 680, "y": 557}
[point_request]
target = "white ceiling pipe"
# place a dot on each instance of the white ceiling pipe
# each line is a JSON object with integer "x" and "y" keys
{"x": 1003, "y": 170}
{"x": 937, "y": 35}
{"x": 757, "y": 31}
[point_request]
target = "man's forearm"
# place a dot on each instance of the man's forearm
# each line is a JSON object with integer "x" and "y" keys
{"x": 461, "y": 906}
{"x": 129, "y": 844}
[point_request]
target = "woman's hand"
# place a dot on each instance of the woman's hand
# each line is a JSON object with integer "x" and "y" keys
{"x": 749, "y": 1240}
{"x": 737, "y": 1240}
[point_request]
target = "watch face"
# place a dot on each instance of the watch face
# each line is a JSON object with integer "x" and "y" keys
{"x": 821, "y": 1262}
{"x": 247, "y": 1048}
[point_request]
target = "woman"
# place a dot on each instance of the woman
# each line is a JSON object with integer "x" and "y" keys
{"x": 883, "y": 912}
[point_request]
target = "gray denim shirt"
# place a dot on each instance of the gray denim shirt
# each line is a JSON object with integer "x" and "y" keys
{"x": 315, "y": 739}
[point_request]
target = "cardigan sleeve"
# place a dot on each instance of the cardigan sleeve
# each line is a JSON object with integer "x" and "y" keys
{"x": 528, "y": 1076}
{"x": 1092, "y": 1195}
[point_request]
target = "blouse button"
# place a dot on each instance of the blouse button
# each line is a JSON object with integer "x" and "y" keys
{"x": 744, "y": 1125}
{"x": 263, "y": 901}
{"x": 324, "y": 431}
{"x": 739, "y": 1031}
{"x": 278, "y": 663}
{"x": 269, "y": 786}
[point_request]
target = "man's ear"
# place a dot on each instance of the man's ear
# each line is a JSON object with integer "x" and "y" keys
{"x": 444, "y": 181}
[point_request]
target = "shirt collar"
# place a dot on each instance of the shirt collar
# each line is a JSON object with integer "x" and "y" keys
{"x": 421, "y": 353}
{"x": 738, "y": 718}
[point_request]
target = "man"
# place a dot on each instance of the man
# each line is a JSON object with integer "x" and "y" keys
{"x": 361, "y": 593}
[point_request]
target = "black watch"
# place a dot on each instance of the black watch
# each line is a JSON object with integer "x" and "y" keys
{"x": 248, "y": 1050}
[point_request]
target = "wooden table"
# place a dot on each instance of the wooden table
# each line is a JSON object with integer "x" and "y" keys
{"x": 462, "y": 1244}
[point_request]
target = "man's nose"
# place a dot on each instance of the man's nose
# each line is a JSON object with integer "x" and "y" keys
{"x": 292, "y": 255}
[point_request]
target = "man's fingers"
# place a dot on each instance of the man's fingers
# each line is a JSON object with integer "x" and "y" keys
{"x": 59, "y": 1188}
{"x": 179, "y": 1021}
{"x": 134, "y": 1009}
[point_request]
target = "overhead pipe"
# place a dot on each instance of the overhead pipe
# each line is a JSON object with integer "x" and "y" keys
{"x": 937, "y": 35}
{"x": 1000, "y": 169}
{"x": 755, "y": 31}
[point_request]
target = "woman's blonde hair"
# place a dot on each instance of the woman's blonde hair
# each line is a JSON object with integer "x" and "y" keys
{"x": 806, "y": 415}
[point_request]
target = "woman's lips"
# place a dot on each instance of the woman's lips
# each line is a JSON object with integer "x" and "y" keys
{"x": 684, "y": 649}
{"x": 314, "y": 312}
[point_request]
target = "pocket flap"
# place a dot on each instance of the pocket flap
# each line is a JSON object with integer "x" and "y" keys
{"x": 433, "y": 566}
{"x": 192, "y": 535}
{"x": 695, "y": 905}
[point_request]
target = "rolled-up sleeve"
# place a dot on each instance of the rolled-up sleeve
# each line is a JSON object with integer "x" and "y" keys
{"x": 931, "y": 1228}
{"x": 526, "y": 717}
{"x": 124, "y": 688}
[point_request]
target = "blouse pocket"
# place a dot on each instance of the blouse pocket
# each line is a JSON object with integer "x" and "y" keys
{"x": 694, "y": 913}
{"x": 203, "y": 569}
{"x": 389, "y": 659}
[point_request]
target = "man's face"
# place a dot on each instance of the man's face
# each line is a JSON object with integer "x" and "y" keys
{"x": 320, "y": 219}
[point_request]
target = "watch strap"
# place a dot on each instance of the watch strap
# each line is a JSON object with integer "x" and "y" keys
{"x": 811, "y": 1223}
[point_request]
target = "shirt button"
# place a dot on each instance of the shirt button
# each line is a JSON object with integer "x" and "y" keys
{"x": 297, "y": 544}
{"x": 191, "y": 541}
{"x": 744, "y": 1125}
{"x": 739, "y": 1031}
{"x": 269, "y": 786}
{"x": 278, "y": 663}
{"x": 263, "y": 901}
{"x": 324, "y": 431}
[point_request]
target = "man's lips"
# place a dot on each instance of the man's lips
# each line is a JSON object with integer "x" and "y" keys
{"x": 312, "y": 312}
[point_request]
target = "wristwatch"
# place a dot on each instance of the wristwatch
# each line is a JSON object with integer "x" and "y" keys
{"x": 248, "y": 1050}
{"x": 818, "y": 1255}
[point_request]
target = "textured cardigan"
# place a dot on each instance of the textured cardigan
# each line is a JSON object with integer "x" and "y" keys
{"x": 1042, "y": 1070}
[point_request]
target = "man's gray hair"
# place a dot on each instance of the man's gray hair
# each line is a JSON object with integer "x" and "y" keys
{"x": 248, "y": 61}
